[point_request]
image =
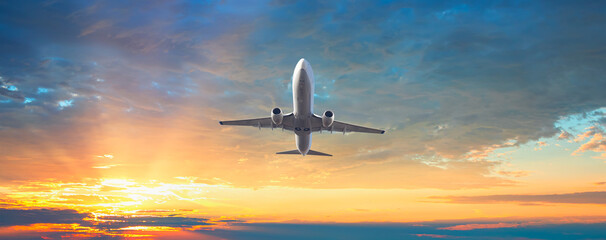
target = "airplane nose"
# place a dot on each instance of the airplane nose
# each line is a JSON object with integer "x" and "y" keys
{"x": 304, "y": 64}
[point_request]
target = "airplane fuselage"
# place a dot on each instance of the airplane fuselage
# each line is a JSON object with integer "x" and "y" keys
{"x": 303, "y": 103}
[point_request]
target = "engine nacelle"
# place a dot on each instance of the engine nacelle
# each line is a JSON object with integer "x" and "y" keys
{"x": 327, "y": 118}
{"x": 277, "y": 116}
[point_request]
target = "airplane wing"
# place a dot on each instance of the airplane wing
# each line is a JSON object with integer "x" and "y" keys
{"x": 341, "y": 127}
{"x": 287, "y": 122}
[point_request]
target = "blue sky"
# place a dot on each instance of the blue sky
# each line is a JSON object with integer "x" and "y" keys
{"x": 467, "y": 63}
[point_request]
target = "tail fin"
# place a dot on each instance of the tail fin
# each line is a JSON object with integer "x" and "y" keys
{"x": 310, "y": 152}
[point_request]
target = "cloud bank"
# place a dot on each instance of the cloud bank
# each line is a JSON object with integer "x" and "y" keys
{"x": 148, "y": 81}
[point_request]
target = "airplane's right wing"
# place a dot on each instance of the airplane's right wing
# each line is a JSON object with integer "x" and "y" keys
{"x": 342, "y": 127}
{"x": 346, "y": 127}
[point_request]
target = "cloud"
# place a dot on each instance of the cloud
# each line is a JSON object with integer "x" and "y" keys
{"x": 11, "y": 94}
{"x": 95, "y": 27}
{"x": 595, "y": 144}
{"x": 449, "y": 81}
{"x": 12, "y": 217}
{"x": 56, "y": 223}
{"x": 434, "y": 236}
{"x": 592, "y": 130}
{"x": 467, "y": 227}
{"x": 520, "y": 224}
{"x": 66, "y": 223}
{"x": 478, "y": 229}
{"x": 565, "y": 135}
{"x": 575, "y": 198}
{"x": 514, "y": 173}
{"x": 107, "y": 166}
{"x": 120, "y": 222}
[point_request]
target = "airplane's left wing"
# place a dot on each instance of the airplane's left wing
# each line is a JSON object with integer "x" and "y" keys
{"x": 342, "y": 127}
{"x": 287, "y": 122}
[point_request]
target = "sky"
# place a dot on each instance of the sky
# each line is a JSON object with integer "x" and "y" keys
{"x": 494, "y": 111}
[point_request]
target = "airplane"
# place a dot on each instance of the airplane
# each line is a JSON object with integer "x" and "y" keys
{"x": 302, "y": 121}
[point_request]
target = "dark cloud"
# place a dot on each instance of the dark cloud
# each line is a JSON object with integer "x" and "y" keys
{"x": 103, "y": 227}
{"x": 13, "y": 217}
{"x": 424, "y": 230}
{"x": 579, "y": 197}
{"x": 473, "y": 70}
{"x": 11, "y": 94}
{"x": 108, "y": 227}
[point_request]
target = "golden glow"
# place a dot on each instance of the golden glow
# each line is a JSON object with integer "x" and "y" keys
{"x": 150, "y": 228}
{"x": 74, "y": 230}
{"x": 120, "y": 183}
{"x": 105, "y": 198}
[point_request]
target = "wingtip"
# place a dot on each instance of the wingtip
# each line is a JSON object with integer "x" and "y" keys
{"x": 383, "y": 131}
{"x": 220, "y": 122}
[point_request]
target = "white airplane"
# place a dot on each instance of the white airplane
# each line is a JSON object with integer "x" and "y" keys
{"x": 302, "y": 120}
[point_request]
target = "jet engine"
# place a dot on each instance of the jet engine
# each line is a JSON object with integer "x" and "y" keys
{"x": 327, "y": 118}
{"x": 277, "y": 116}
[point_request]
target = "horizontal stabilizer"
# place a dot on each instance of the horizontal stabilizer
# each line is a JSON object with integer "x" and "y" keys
{"x": 289, "y": 152}
{"x": 310, "y": 152}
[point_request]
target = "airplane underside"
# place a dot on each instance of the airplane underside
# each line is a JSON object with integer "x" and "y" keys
{"x": 302, "y": 121}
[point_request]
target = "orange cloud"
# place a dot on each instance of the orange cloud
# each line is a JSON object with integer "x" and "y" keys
{"x": 565, "y": 135}
{"x": 534, "y": 222}
{"x": 578, "y": 198}
{"x": 482, "y": 154}
{"x": 596, "y": 144}
{"x": 592, "y": 131}
{"x": 434, "y": 235}
{"x": 514, "y": 173}
{"x": 466, "y": 227}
